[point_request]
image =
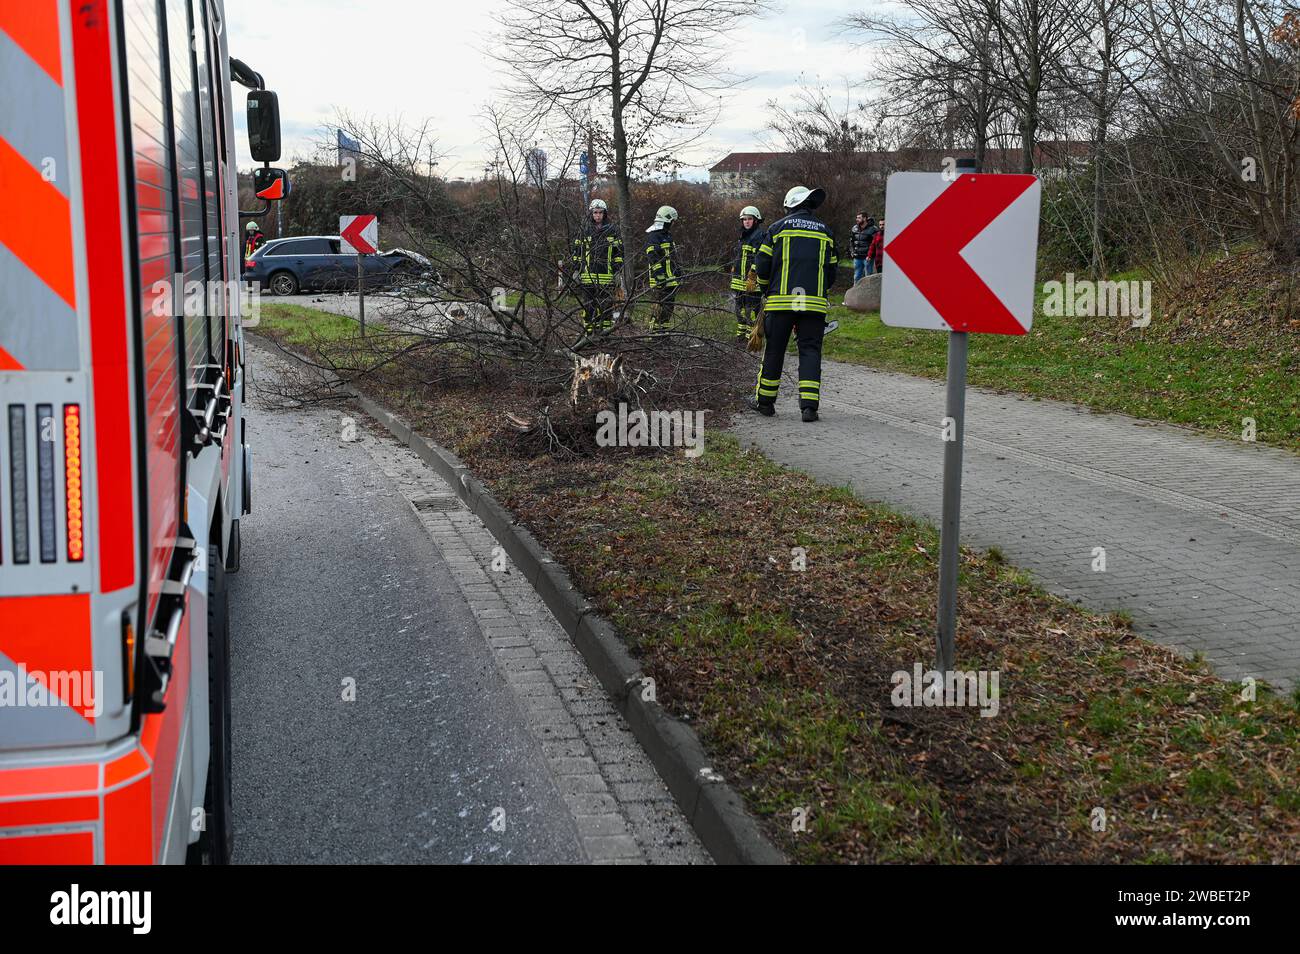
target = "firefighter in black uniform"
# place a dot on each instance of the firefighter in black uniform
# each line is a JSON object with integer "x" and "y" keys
{"x": 253, "y": 239}
{"x": 597, "y": 262}
{"x": 744, "y": 282}
{"x": 663, "y": 268}
{"x": 796, "y": 266}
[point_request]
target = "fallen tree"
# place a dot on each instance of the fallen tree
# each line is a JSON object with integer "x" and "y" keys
{"x": 498, "y": 301}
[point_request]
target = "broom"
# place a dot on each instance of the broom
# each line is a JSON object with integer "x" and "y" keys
{"x": 756, "y": 334}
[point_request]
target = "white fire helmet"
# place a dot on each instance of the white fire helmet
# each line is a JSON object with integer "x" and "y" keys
{"x": 666, "y": 214}
{"x": 801, "y": 195}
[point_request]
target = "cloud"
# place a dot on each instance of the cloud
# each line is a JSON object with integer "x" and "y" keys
{"x": 420, "y": 59}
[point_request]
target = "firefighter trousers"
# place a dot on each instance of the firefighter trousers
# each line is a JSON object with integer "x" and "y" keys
{"x": 597, "y": 307}
{"x": 747, "y": 306}
{"x": 808, "y": 329}
{"x": 664, "y": 300}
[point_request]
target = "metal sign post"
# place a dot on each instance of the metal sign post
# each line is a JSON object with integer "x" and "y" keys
{"x": 961, "y": 252}
{"x": 950, "y": 525}
{"x": 950, "y": 528}
{"x": 361, "y": 297}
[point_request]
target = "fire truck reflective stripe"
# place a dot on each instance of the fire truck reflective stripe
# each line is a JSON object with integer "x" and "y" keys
{"x": 34, "y": 26}
{"x": 37, "y": 224}
{"x": 127, "y": 767}
{"x": 36, "y": 130}
{"x": 50, "y": 780}
{"x": 48, "y": 811}
{"x": 54, "y": 342}
{"x": 65, "y": 848}
{"x": 102, "y": 205}
{"x": 26, "y": 623}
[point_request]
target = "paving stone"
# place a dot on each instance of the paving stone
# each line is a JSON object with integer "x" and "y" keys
{"x": 1196, "y": 529}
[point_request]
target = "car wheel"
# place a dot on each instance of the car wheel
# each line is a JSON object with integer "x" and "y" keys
{"x": 284, "y": 283}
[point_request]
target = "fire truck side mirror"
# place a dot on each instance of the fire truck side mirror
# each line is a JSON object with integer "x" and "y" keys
{"x": 264, "y": 125}
{"x": 270, "y": 183}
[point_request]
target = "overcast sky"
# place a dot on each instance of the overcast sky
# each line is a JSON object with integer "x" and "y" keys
{"x": 419, "y": 59}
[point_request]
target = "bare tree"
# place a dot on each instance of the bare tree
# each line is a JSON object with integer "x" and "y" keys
{"x": 1032, "y": 40}
{"x": 827, "y": 141}
{"x": 495, "y": 299}
{"x": 936, "y": 72}
{"x": 1096, "y": 75}
{"x": 652, "y": 69}
{"x": 1224, "y": 86}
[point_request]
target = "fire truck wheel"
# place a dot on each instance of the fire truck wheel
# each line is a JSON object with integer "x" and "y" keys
{"x": 284, "y": 283}
{"x": 218, "y": 839}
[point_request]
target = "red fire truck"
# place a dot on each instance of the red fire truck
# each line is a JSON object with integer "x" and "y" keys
{"x": 124, "y": 465}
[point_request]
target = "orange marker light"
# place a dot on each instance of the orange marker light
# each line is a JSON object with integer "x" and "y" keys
{"x": 72, "y": 477}
{"x": 128, "y": 658}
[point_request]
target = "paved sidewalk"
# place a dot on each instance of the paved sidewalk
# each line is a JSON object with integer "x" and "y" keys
{"x": 1201, "y": 535}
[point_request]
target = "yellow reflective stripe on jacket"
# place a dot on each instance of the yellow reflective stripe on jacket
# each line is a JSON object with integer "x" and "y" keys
{"x": 661, "y": 269}
{"x": 588, "y": 274}
{"x": 798, "y": 303}
{"x": 803, "y": 233}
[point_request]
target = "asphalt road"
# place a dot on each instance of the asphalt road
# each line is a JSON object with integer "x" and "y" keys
{"x": 339, "y": 582}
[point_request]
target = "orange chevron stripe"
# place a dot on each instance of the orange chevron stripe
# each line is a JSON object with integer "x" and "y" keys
{"x": 34, "y": 26}
{"x": 8, "y": 362}
{"x": 27, "y": 624}
{"x": 37, "y": 224}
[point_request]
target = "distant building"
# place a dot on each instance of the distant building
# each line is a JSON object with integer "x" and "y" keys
{"x": 535, "y": 166}
{"x": 347, "y": 148}
{"x": 734, "y": 177}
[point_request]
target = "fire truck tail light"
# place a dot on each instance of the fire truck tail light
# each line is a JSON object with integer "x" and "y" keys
{"x": 72, "y": 476}
{"x": 128, "y": 658}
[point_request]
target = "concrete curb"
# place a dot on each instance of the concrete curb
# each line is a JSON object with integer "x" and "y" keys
{"x": 715, "y": 810}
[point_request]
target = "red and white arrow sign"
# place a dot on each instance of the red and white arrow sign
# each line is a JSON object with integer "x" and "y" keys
{"x": 360, "y": 233}
{"x": 963, "y": 252}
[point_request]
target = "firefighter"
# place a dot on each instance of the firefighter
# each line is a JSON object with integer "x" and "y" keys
{"x": 597, "y": 264}
{"x": 253, "y": 239}
{"x": 663, "y": 269}
{"x": 796, "y": 267}
{"x": 744, "y": 281}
